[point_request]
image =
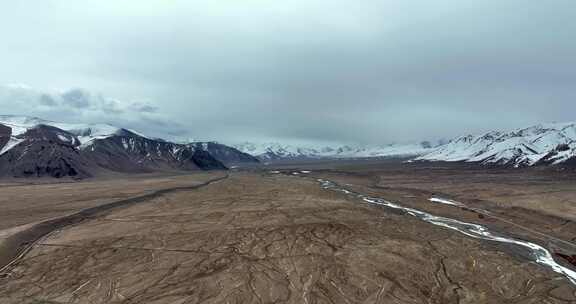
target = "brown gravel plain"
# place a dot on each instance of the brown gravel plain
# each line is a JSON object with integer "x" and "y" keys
{"x": 257, "y": 237}
{"x": 22, "y": 202}
{"x": 535, "y": 204}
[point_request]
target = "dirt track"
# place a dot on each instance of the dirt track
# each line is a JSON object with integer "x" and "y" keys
{"x": 271, "y": 239}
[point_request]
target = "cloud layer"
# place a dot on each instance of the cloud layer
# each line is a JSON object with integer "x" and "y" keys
{"x": 374, "y": 71}
{"x": 82, "y": 106}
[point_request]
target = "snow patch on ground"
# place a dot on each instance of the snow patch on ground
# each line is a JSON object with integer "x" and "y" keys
{"x": 446, "y": 201}
{"x": 13, "y": 142}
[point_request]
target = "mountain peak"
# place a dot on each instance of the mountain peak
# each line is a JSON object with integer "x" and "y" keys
{"x": 534, "y": 145}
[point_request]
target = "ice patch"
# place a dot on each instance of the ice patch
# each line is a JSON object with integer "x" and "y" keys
{"x": 10, "y": 144}
{"x": 446, "y": 201}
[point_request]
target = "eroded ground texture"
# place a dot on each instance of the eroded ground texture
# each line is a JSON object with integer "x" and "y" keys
{"x": 271, "y": 238}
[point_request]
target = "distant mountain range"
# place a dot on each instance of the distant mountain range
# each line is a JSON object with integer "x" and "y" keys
{"x": 32, "y": 147}
{"x": 552, "y": 144}
{"x": 543, "y": 144}
{"x": 277, "y": 151}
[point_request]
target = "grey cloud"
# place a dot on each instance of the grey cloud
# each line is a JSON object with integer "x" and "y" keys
{"x": 144, "y": 108}
{"x": 97, "y": 109}
{"x": 110, "y": 106}
{"x": 77, "y": 98}
{"x": 370, "y": 71}
{"x": 47, "y": 100}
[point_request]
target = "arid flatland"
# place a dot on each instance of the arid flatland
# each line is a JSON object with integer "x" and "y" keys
{"x": 258, "y": 237}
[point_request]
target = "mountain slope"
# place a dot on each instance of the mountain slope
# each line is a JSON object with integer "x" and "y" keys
{"x": 83, "y": 132}
{"x": 5, "y": 135}
{"x": 43, "y": 151}
{"x": 32, "y": 147}
{"x": 225, "y": 154}
{"x": 129, "y": 152}
{"x": 544, "y": 144}
{"x": 276, "y": 151}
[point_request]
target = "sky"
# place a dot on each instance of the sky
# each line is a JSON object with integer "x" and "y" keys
{"x": 310, "y": 71}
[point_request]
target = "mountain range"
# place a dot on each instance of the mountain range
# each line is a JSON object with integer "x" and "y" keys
{"x": 277, "y": 151}
{"x": 551, "y": 144}
{"x": 543, "y": 144}
{"x": 32, "y": 147}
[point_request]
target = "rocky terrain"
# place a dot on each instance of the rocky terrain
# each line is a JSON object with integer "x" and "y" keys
{"x": 44, "y": 151}
{"x": 228, "y": 155}
{"x": 5, "y": 135}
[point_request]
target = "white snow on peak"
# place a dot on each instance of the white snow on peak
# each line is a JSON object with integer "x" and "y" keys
{"x": 20, "y": 124}
{"x": 85, "y": 133}
{"x": 520, "y": 147}
{"x": 89, "y": 132}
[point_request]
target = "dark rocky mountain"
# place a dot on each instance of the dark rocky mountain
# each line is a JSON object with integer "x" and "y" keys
{"x": 5, "y": 133}
{"x": 227, "y": 155}
{"x": 30, "y": 147}
{"x": 44, "y": 151}
{"x": 129, "y": 152}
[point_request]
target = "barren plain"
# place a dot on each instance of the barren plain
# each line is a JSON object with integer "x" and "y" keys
{"x": 265, "y": 237}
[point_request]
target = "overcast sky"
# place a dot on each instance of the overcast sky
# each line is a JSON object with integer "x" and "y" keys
{"x": 370, "y": 71}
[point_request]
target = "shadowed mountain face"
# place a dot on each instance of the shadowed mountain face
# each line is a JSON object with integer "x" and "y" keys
{"x": 45, "y": 151}
{"x": 48, "y": 151}
{"x": 204, "y": 159}
{"x": 129, "y": 152}
{"x": 225, "y": 154}
{"x": 5, "y": 133}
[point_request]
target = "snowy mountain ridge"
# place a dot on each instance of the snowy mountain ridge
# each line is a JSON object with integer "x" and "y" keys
{"x": 85, "y": 133}
{"x": 277, "y": 151}
{"x": 542, "y": 144}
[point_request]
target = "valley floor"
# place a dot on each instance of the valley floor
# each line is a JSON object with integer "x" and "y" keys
{"x": 262, "y": 237}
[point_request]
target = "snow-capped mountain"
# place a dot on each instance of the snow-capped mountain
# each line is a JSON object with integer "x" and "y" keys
{"x": 31, "y": 146}
{"x": 277, "y": 151}
{"x": 543, "y": 144}
{"x": 85, "y": 133}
